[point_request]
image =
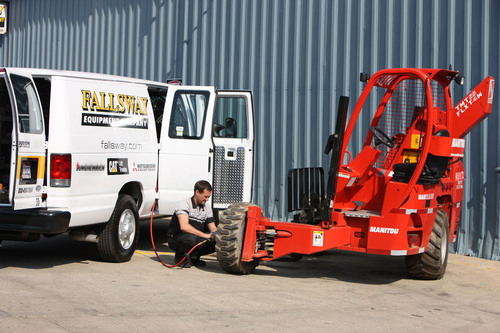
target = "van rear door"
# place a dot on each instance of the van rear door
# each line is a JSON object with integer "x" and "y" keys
{"x": 28, "y": 147}
{"x": 233, "y": 136}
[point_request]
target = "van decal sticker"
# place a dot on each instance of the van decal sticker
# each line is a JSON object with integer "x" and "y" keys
{"x": 130, "y": 111}
{"x": 117, "y": 166}
{"x": 143, "y": 167}
{"x": 24, "y": 144}
{"x": 24, "y": 190}
{"x": 108, "y": 102}
{"x": 89, "y": 167}
{"x": 109, "y": 145}
{"x": 89, "y": 119}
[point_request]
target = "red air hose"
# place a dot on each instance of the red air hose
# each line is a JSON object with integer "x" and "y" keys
{"x": 153, "y": 242}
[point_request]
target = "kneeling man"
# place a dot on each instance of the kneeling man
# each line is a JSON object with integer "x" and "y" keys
{"x": 192, "y": 223}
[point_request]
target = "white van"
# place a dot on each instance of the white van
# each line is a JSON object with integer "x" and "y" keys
{"x": 88, "y": 154}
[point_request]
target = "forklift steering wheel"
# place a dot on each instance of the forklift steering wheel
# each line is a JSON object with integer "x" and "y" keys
{"x": 381, "y": 137}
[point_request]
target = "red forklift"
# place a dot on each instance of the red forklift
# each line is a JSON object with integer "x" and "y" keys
{"x": 401, "y": 195}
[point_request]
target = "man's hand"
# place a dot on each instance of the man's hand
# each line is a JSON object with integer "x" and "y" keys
{"x": 212, "y": 236}
{"x": 186, "y": 227}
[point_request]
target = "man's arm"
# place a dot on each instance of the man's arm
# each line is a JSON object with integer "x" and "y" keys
{"x": 211, "y": 226}
{"x": 186, "y": 227}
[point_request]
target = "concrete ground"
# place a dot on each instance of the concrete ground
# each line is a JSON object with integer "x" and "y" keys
{"x": 59, "y": 285}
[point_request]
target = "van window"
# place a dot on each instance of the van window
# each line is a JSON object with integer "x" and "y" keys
{"x": 230, "y": 119}
{"x": 5, "y": 141}
{"x": 28, "y": 108}
{"x": 188, "y": 114}
{"x": 157, "y": 97}
{"x": 43, "y": 86}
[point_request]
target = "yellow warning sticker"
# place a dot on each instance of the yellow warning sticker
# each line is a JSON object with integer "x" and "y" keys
{"x": 415, "y": 141}
{"x": 410, "y": 156}
{"x": 318, "y": 238}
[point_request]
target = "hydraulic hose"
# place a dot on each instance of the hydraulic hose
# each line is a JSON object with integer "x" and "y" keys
{"x": 154, "y": 247}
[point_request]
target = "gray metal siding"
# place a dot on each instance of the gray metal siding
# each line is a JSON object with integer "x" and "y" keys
{"x": 297, "y": 56}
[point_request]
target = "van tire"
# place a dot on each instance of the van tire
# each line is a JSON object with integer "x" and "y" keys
{"x": 118, "y": 239}
{"x": 431, "y": 265}
{"x": 229, "y": 239}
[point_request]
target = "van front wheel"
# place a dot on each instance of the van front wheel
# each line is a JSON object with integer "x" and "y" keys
{"x": 118, "y": 240}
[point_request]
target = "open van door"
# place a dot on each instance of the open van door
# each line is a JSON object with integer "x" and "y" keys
{"x": 27, "y": 170}
{"x": 186, "y": 148}
{"x": 233, "y": 136}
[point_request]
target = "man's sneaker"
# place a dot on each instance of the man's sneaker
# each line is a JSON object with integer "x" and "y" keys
{"x": 186, "y": 263}
{"x": 196, "y": 261}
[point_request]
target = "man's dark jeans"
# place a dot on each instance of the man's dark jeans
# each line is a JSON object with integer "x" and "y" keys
{"x": 184, "y": 242}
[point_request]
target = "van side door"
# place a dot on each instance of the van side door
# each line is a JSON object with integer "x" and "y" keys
{"x": 233, "y": 136}
{"x": 186, "y": 148}
{"x": 28, "y": 142}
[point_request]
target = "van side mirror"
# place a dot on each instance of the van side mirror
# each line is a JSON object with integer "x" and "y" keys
{"x": 231, "y": 129}
{"x": 217, "y": 129}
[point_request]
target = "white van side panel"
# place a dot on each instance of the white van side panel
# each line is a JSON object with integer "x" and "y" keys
{"x": 109, "y": 130}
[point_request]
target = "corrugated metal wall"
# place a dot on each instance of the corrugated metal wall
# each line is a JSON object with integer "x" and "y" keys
{"x": 297, "y": 56}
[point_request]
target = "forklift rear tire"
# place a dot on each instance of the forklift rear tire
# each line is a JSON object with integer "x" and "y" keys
{"x": 431, "y": 265}
{"x": 118, "y": 240}
{"x": 229, "y": 239}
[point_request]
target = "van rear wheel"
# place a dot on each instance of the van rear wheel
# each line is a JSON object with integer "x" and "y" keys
{"x": 118, "y": 240}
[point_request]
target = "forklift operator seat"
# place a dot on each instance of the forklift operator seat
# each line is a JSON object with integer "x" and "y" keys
{"x": 433, "y": 171}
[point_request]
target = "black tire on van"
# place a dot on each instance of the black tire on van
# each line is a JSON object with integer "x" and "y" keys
{"x": 118, "y": 240}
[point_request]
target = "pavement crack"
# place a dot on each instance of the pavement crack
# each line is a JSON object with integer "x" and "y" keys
{"x": 57, "y": 324}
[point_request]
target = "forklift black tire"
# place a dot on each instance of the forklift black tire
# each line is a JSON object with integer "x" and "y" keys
{"x": 431, "y": 265}
{"x": 229, "y": 239}
{"x": 118, "y": 239}
{"x": 294, "y": 257}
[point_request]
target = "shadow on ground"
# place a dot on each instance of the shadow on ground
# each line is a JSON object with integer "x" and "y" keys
{"x": 338, "y": 265}
{"x": 46, "y": 253}
{"x": 60, "y": 250}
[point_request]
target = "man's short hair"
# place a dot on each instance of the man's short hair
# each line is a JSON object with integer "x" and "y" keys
{"x": 202, "y": 185}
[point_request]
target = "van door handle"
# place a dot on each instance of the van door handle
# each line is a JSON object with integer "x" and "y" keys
{"x": 497, "y": 169}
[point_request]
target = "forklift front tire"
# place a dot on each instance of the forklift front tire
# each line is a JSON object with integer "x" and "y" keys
{"x": 229, "y": 239}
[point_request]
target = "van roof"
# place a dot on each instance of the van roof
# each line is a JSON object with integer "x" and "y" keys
{"x": 83, "y": 75}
